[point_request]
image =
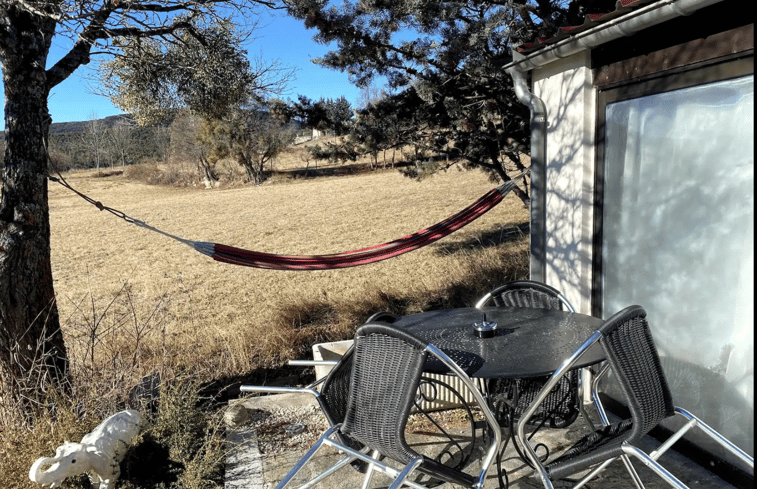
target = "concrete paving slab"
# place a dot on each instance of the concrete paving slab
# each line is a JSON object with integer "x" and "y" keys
{"x": 282, "y": 427}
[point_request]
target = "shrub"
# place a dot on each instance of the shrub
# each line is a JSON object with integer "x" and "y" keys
{"x": 183, "y": 446}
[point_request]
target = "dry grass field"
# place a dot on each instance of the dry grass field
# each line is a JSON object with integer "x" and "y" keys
{"x": 122, "y": 280}
{"x": 133, "y": 302}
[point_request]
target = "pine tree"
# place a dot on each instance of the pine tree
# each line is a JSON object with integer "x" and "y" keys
{"x": 442, "y": 61}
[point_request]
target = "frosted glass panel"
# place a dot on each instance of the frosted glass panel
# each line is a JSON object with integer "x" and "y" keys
{"x": 679, "y": 240}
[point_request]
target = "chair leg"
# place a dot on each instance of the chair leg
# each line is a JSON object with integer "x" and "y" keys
{"x": 632, "y": 472}
{"x": 720, "y": 439}
{"x": 409, "y": 468}
{"x": 345, "y": 461}
{"x": 369, "y": 472}
{"x": 379, "y": 466}
{"x": 656, "y": 467}
{"x": 626, "y": 462}
{"x": 306, "y": 458}
{"x": 650, "y": 460}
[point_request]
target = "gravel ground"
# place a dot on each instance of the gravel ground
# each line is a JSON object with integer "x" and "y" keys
{"x": 287, "y": 428}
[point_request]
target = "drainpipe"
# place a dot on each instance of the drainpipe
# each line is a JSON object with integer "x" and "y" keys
{"x": 538, "y": 263}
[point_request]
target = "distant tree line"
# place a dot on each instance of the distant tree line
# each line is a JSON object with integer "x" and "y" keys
{"x": 108, "y": 147}
{"x": 253, "y": 137}
{"x": 443, "y": 63}
{"x": 325, "y": 114}
{"x": 104, "y": 143}
{"x": 227, "y": 101}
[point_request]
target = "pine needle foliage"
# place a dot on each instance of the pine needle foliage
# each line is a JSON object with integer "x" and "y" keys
{"x": 443, "y": 64}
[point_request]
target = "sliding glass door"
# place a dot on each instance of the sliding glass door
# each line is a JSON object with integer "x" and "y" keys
{"x": 677, "y": 235}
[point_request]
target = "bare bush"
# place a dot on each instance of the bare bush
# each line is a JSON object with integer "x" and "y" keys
{"x": 115, "y": 341}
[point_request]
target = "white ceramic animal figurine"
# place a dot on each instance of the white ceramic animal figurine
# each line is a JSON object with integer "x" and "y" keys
{"x": 100, "y": 451}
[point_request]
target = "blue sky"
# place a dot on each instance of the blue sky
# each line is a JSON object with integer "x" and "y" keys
{"x": 279, "y": 38}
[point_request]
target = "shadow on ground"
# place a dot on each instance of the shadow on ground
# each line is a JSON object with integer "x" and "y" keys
{"x": 487, "y": 239}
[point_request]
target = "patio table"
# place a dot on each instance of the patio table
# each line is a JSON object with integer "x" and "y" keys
{"x": 527, "y": 342}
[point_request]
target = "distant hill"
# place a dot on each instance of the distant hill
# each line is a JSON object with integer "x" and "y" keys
{"x": 61, "y": 128}
{"x": 68, "y": 127}
{"x": 71, "y": 145}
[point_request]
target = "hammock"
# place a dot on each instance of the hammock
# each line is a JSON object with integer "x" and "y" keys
{"x": 364, "y": 256}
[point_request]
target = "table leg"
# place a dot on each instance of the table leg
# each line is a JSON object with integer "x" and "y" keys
{"x": 454, "y": 454}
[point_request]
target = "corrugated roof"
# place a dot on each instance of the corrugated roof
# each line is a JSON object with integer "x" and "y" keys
{"x": 622, "y": 7}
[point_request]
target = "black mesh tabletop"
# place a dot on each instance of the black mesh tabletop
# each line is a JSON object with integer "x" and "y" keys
{"x": 527, "y": 343}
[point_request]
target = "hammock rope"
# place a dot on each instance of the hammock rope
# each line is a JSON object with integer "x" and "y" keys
{"x": 364, "y": 256}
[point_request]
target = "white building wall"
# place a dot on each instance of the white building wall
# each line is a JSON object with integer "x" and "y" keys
{"x": 566, "y": 89}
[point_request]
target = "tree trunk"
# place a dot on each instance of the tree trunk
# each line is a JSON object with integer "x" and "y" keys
{"x": 33, "y": 358}
{"x": 207, "y": 172}
{"x": 499, "y": 167}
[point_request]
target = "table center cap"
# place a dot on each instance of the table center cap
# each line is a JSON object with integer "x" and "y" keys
{"x": 485, "y": 329}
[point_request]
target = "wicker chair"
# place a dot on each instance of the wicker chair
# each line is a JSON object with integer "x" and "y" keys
{"x": 632, "y": 356}
{"x": 526, "y": 293}
{"x": 387, "y": 367}
{"x": 510, "y": 397}
{"x": 332, "y": 391}
{"x": 334, "y": 387}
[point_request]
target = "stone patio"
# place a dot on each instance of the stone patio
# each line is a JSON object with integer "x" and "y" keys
{"x": 280, "y": 428}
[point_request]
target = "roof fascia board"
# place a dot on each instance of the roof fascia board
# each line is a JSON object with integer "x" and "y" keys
{"x": 625, "y": 25}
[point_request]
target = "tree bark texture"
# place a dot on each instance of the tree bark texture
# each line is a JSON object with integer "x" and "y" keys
{"x": 32, "y": 353}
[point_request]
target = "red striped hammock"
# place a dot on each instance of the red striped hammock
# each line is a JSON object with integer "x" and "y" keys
{"x": 373, "y": 254}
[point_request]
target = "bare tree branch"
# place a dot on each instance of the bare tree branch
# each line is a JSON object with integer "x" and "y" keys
{"x": 112, "y": 19}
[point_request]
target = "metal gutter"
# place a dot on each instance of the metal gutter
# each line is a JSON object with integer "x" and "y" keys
{"x": 625, "y": 25}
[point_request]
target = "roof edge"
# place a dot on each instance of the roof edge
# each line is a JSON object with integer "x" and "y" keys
{"x": 625, "y": 25}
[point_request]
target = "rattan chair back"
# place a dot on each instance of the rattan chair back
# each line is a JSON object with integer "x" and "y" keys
{"x": 632, "y": 355}
{"x": 387, "y": 368}
{"x": 335, "y": 389}
{"x": 512, "y": 396}
{"x": 526, "y": 293}
{"x": 334, "y": 396}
